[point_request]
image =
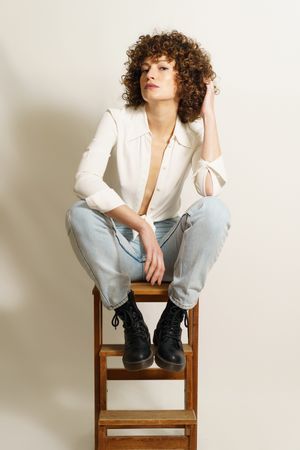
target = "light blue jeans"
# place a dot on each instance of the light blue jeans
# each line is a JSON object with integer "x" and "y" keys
{"x": 190, "y": 243}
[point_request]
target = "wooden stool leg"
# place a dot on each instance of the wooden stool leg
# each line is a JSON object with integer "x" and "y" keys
{"x": 102, "y": 438}
{"x": 97, "y": 344}
{"x": 194, "y": 429}
{"x": 193, "y": 437}
{"x": 191, "y": 383}
{"x": 195, "y": 355}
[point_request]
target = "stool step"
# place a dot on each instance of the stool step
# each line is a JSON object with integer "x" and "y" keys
{"x": 118, "y": 349}
{"x": 153, "y": 442}
{"x": 145, "y": 288}
{"x": 147, "y": 418}
{"x": 145, "y": 374}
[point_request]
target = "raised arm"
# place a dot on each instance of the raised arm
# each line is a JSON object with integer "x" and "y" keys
{"x": 208, "y": 167}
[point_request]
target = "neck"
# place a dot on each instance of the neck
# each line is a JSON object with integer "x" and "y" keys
{"x": 161, "y": 119}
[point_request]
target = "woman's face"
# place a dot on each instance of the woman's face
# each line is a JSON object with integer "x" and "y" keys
{"x": 161, "y": 73}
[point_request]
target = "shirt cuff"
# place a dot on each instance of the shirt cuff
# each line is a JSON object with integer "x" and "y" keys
{"x": 217, "y": 166}
{"x": 104, "y": 201}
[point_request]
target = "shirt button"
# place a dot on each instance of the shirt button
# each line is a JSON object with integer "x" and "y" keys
{"x": 158, "y": 189}
{"x": 164, "y": 167}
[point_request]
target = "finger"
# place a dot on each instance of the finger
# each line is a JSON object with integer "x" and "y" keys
{"x": 159, "y": 281}
{"x": 158, "y": 272}
{"x": 151, "y": 264}
{"x": 150, "y": 272}
{"x": 148, "y": 260}
{"x": 162, "y": 269}
{"x": 147, "y": 263}
{"x": 155, "y": 277}
{"x": 152, "y": 267}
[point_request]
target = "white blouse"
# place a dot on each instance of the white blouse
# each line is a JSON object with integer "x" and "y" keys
{"x": 114, "y": 168}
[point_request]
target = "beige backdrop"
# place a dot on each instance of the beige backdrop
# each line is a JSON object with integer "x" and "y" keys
{"x": 61, "y": 63}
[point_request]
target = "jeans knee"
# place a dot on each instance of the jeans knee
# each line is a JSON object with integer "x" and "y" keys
{"x": 77, "y": 215}
{"x": 216, "y": 211}
{"x": 83, "y": 219}
{"x": 213, "y": 210}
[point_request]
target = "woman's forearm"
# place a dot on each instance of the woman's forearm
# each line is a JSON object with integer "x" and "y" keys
{"x": 211, "y": 146}
{"x": 127, "y": 216}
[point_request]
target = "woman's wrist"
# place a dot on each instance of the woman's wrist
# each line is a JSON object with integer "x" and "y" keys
{"x": 208, "y": 116}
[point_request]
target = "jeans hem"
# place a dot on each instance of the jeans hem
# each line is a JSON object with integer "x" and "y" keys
{"x": 179, "y": 303}
{"x": 121, "y": 302}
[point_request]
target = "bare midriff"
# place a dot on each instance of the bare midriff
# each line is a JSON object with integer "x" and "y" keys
{"x": 157, "y": 152}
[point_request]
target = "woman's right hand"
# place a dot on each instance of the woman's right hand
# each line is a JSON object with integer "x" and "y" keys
{"x": 154, "y": 266}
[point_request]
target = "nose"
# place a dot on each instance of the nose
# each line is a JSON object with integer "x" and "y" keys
{"x": 151, "y": 73}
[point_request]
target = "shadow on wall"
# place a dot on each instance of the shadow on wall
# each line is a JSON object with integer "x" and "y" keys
{"x": 46, "y": 333}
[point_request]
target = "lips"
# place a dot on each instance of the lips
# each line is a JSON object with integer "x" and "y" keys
{"x": 150, "y": 85}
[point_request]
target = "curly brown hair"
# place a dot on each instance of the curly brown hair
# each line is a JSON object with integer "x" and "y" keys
{"x": 192, "y": 67}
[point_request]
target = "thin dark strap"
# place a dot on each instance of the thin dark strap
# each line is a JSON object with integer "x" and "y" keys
{"x": 115, "y": 321}
{"x": 186, "y": 319}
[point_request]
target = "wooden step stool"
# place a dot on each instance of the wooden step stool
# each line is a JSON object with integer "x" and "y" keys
{"x": 108, "y": 419}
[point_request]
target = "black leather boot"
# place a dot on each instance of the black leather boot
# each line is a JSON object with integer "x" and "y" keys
{"x": 138, "y": 354}
{"x": 167, "y": 338}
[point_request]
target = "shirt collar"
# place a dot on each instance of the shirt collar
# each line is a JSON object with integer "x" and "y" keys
{"x": 139, "y": 126}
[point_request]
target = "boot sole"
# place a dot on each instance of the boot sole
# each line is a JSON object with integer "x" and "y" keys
{"x": 167, "y": 365}
{"x": 139, "y": 365}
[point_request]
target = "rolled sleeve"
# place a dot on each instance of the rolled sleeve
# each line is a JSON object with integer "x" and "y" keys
{"x": 200, "y": 169}
{"x": 89, "y": 184}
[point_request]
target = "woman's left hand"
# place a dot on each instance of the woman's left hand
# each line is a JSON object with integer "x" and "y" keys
{"x": 208, "y": 102}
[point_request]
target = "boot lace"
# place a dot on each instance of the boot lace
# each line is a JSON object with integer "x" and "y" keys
{"x": 115, "y": 321}
{"x": 133, "y": 323}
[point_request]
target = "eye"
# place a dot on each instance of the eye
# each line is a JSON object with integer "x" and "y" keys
{"x": 145, "y": 70}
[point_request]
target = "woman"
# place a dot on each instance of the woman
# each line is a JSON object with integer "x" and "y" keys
{"x": 126, "y": 226}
